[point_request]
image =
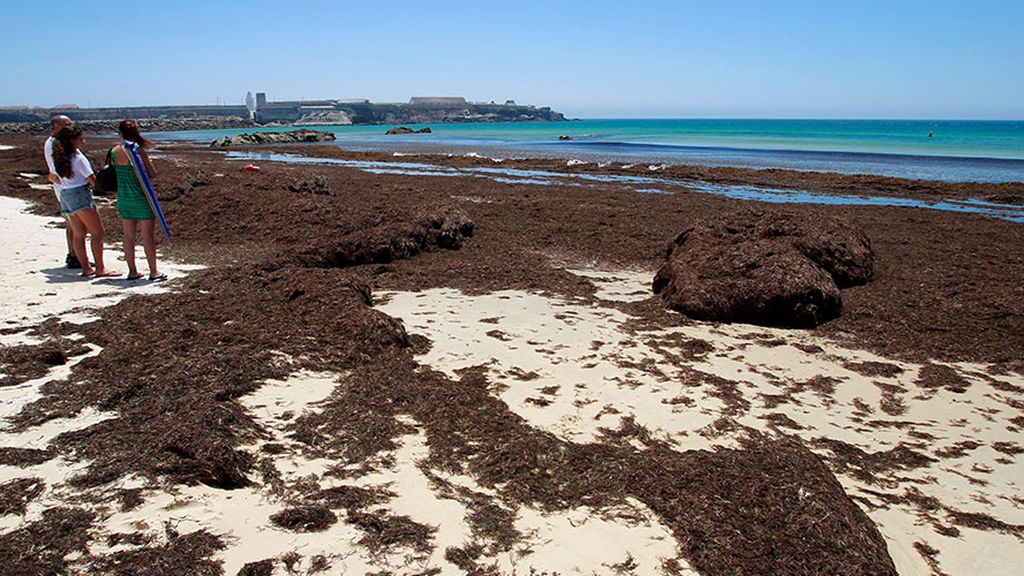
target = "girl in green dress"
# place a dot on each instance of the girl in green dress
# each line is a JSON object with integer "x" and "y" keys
{"x": 132, "y": 203}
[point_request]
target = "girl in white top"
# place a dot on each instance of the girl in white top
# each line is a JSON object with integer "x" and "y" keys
{"x": 81, "y": 171}
{"x": 76, "y": 181}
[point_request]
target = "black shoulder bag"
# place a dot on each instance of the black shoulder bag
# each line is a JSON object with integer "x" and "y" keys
{"x": 106, "y": 178}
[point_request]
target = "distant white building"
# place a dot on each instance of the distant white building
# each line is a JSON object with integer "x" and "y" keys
{"x": 437, "y": 100}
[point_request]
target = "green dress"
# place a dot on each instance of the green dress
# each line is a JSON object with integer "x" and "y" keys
{"x": 131, "y": 200}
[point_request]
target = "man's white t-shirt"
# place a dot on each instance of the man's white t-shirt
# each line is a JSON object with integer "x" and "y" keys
{"x": 48, "y": 154}
{"x": 80, "y": 171}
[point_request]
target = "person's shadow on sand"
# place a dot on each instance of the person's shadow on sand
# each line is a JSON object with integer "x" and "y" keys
{"x": 63, "y": 275}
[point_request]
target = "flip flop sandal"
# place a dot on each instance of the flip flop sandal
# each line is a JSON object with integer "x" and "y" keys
{"x": 109, "y": 274}
{"x": 158, "y": 278}
{"x": 136, "y": 276}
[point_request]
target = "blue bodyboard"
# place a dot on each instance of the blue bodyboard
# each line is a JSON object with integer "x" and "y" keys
{"x": 147, "y": 185}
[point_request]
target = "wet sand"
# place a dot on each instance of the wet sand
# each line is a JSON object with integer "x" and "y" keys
{"x": 259, "y": 412}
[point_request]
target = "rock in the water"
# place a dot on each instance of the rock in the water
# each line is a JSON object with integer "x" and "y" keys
{"x": 406, "y": 130}
{"x": 274, "y": 138}
{"x": 767, "y": 268}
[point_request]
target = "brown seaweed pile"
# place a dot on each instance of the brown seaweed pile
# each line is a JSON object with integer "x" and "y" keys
{"x": 768, "y": 268}
{"x": 291, "y": 288}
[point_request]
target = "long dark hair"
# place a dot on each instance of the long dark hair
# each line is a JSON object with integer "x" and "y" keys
{"x": 130, "y": 131}
{"x": 64, "y": 149}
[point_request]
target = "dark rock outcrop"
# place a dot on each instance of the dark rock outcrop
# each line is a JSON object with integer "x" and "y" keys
{"x": 274, "y": 138}
{"x": 767, "y": 268}
{"x": 406, "y": 130}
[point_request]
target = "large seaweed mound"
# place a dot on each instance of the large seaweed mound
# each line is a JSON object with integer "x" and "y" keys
{"x": 767, "y": 268}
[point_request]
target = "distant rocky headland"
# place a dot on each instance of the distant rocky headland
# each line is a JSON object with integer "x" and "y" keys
{"x": 260, "y": 112}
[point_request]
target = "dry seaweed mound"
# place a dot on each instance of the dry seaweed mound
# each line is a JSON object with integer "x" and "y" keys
{"x": 260, "y": 568}
{"x": 772, "y": 508}
{"x": 305, "y": 518}
{"x": 870, "y": 466}
{"x": 183, "y": 554}
{"x": 41, "y": 547}
{"x": 447, "y": 227}
{"x": 934, "y": 376}
{"x": 315, "y": 184}
{"x": 767, "y": 268}
{"x": 394, "y": 238}
{"x": 387, "y": 531}
{"x": 25, "y": 362}
{"x": 182, "y": 185}
{"x": 22, "y": 457}
{"x": 16, "y": 494}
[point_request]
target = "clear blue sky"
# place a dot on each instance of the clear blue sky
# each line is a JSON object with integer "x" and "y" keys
{"x": 721, "y": 58}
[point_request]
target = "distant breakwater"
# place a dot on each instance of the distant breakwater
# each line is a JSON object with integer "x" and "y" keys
{"x": 298, "y": 113}
{"x": 145, "y": 124}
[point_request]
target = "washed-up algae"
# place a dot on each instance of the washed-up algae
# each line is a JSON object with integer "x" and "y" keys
{"x": 189, "y": 554}
{"x": 769, "y": 508}
{"x": 41, "y": 547}
{"x": 16, "y": 494}
{"x": 173, "y": 366}
{"x": 173, "y": 382}
{"x": 938, "y": 275}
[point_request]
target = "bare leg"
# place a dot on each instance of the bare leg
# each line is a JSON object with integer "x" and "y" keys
{"x": 149, "y": 245}
{"x": 130, "y": 228}
{"x": 78, "y": 230}
{"x": 71, "y": 238}
{"x": 91, "y": 218}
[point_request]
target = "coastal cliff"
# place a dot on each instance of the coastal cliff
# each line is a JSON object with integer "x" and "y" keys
{"x": 326, "y": 113}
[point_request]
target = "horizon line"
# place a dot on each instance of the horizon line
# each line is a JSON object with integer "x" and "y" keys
{"x": 954, "y": 118}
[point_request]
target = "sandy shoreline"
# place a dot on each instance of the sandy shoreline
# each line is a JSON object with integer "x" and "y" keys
{"x": 288, "y": 366}
{"x": 594, "y": 390}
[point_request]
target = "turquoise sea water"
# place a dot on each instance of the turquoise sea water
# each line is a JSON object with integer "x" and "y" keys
{"x": 984, "y": 151}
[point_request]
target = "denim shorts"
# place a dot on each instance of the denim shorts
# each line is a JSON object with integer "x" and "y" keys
{"x": 74, "y": 199}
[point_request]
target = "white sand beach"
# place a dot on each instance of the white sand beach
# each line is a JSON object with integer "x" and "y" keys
{"x": 37, "y": 285}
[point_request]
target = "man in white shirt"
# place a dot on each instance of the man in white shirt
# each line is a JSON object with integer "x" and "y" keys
{"x": 57, "y": 123}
